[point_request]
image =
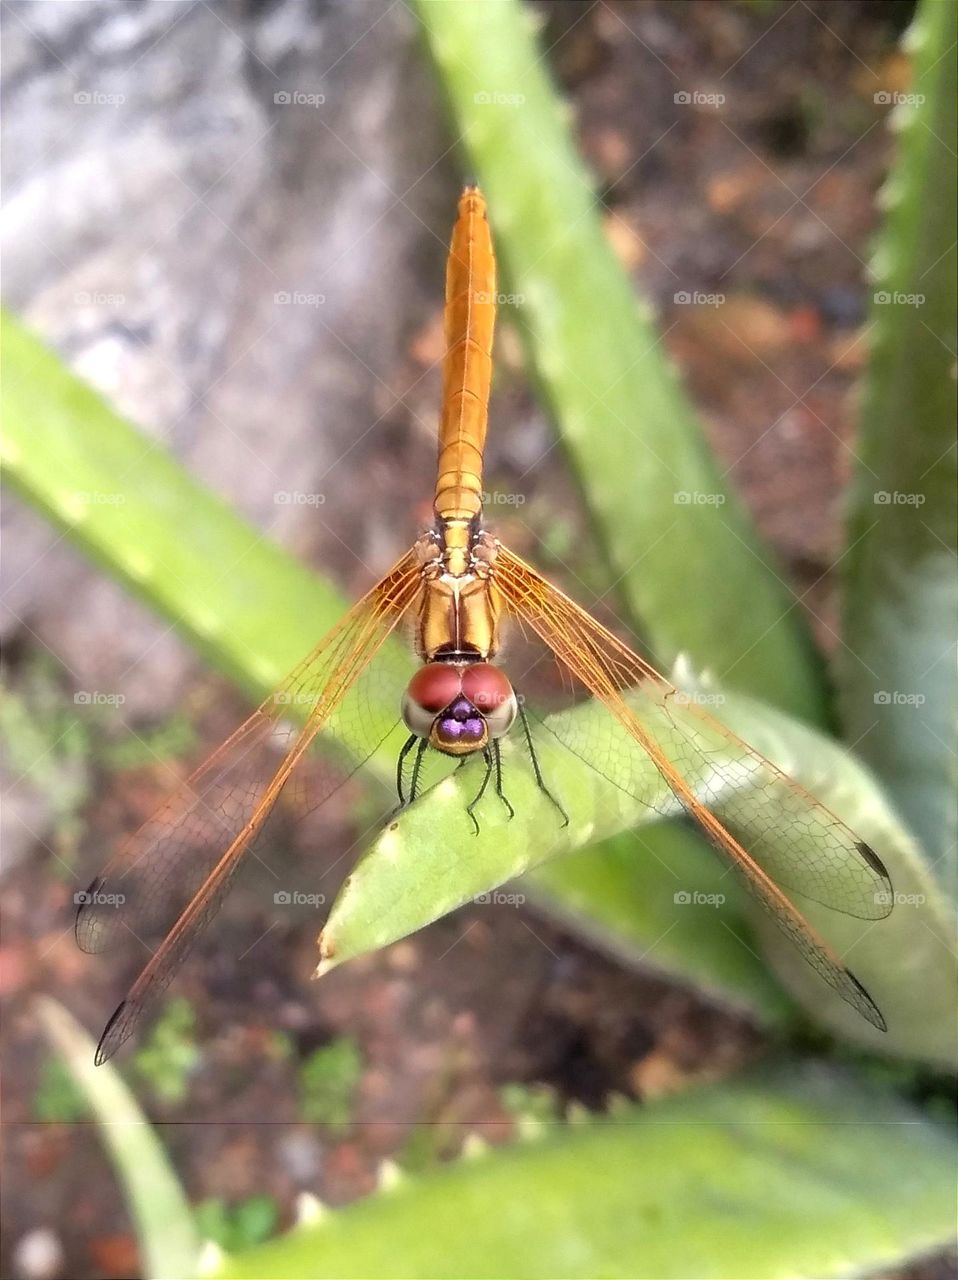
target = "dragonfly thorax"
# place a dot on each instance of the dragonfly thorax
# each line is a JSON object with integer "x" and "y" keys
{"x": 459, "y": 608}
{"x": 459, "y": 706}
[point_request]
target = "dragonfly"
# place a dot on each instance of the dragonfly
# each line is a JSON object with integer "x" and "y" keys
{"x": 455, "y": 590}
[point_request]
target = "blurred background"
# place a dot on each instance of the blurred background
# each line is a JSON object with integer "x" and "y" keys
{"x": 231, "y": 219}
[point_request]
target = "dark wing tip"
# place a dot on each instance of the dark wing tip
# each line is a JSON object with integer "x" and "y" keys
{"x": 866, "y": 1005}
{"x": 113, "y": 1036}
{"x": 873, "y": 860}
{"x": 886, "y": 897}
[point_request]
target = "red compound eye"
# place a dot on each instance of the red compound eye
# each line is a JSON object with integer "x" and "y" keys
{"x": 434, "y": 686}
{"x": 490, "y": 690}
{"x": 486, "y": 686}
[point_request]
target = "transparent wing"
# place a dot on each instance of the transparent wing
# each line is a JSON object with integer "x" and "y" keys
{"x": 175, "y": 871}
{"x": 791, "y": 836}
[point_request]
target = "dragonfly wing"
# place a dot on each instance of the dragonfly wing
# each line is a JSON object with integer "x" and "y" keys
{"x": 791, "y": 836}
{"x": 177, "y": 868}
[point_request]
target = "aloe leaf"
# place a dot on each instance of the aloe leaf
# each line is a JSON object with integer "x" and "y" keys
{"x": 430, "y": 861}
{"x": 898, "y": 675}
{"x": 621, "y": 896}
{"x": 122, "y": 499}
{"x": 800, "y": 1174}
{"x": 625, "y": 423}
{"x": 907, "y": 960}
{"x": 169, "y": 1243}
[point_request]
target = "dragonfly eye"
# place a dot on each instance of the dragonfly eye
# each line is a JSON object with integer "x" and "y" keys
{"x": 490, "y": 690}
{"x": 433, "y": 688}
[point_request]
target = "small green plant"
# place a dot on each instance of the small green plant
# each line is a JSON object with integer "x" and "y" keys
{"x": 47, "y": 745}
{"x": 57, "y": 1097}
{"x": 171, "y": 740}
{"x": 327, "y": 1082}
{"x": 236, "y": 1227}
{"x": 170, "y": 1053}
{"x": 534, "y": 1107}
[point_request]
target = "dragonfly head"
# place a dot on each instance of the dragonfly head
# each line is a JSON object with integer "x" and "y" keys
{"x": 459, "y": 706}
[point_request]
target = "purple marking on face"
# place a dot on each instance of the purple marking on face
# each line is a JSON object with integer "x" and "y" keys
{"x": 461, "y": 721}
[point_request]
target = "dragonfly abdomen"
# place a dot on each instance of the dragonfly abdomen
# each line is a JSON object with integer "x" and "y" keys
{"x": 467, "y": 370}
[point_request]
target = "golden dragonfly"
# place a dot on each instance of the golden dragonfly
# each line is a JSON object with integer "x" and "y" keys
{"x": 454, "y": 588}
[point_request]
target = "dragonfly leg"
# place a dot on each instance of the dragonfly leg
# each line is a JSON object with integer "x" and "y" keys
{"x": 497, "y": 759}
{"x": 479, "y": 794}
{"x": 540, "y": 783}
{"x": 407, "y": 746}
{"x": 417, "y": 765}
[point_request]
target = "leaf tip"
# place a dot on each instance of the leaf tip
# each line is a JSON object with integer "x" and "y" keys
{"x": 310, "y": 1210}
{"x": 210, "y": 1258}
{"x": 389, "y": 1176}
{"x": 474, "y": 1147}
{"x": 324, "y": 966}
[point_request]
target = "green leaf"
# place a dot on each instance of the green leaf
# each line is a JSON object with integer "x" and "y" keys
{"x": 169, "y": 1244}
{"x": 620, "y": 895}
{"x": 629, "y": 431}
{"x": 898, "y": 675}
{"x": 802, "y": 1174}
{"x": 121, "y": 498}
{"x": 429, "y": 862}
